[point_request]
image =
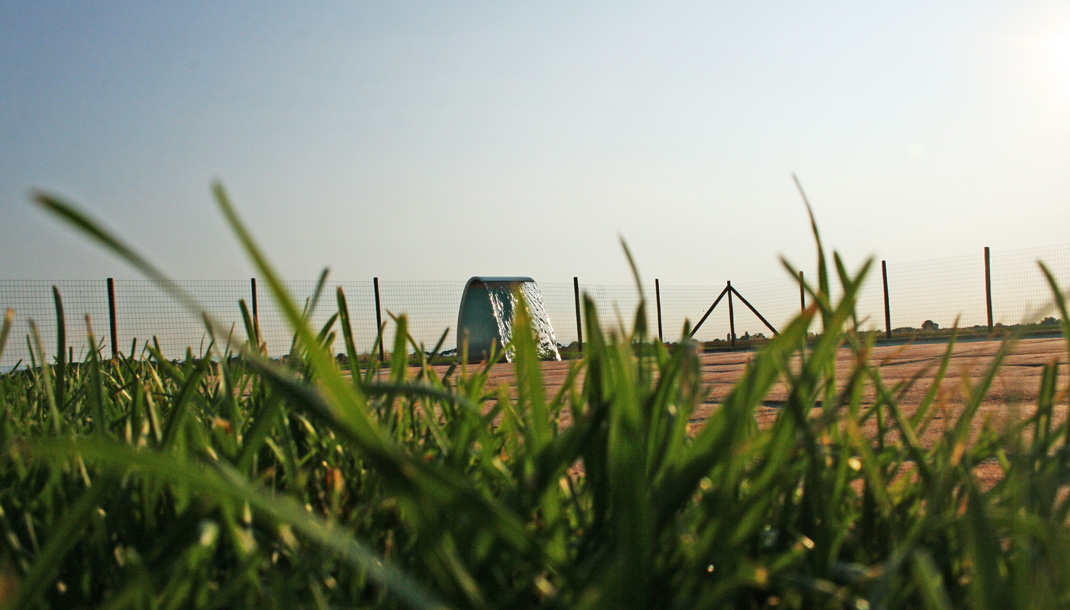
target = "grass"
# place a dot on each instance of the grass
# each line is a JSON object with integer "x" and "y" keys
{"x": 242, "y": 482}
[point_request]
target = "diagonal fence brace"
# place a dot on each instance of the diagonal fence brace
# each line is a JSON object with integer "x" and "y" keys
{"x": 730, "y": 289}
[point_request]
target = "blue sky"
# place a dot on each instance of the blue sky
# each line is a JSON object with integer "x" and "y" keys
{"x": 419, "y": 141}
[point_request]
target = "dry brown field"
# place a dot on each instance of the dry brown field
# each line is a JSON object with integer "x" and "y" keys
{"x": 1012, "y": 396}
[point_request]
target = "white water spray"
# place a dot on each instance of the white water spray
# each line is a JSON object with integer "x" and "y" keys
{"x": 487, "y": 315}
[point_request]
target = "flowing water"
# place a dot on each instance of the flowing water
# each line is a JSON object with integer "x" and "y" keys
{"x": 504, "y": 299}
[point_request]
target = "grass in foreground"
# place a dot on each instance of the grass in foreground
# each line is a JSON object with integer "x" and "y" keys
{"x": 238, "y": 482}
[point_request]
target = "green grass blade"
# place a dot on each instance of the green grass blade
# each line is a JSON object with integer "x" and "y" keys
{"x": 1060, "y": 302}
{"x": 61, "y": 351}
{"x": 5, "y": 328}
{"x": 47, "y": 386}
{"x": 223, "y": 482}
{"x": 96, "y": 385}
{"x": 822, "y": 267}
{"x": 346, "y": 399}
{"x": 180, "y": 406}
{"x": 61, "y": 540}
{"x": 95, "y": 230}
{"x": 928, "y": 580}
{"x": 347, "y": 336}
{"x": 252, "y": 333}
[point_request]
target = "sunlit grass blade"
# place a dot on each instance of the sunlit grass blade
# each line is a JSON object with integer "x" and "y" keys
{"x": 961, "y": 428}
{"x": 352, "y": 356}
{"x": 399, "y": 358}
{"x": 95, "y": 230}
{"x": 922, "y": 412}
{"x": 96, "y": 384}
{"x": 321, "y": 283}
{"x": 1060, "y": 302}
{"x": 47, "y": 385}
{"x": 822, "y": 267}
{"x": 5, "y": 328}
{"x": 413, "y": 481}
{"x": 188, "y": 388}
{"x": 346, "y": 398}
{"x": 531, "y": 398}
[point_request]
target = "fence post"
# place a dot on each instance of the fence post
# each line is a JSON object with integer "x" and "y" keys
{"x": 252, "y": 282}
{"x": 753, "y": 310}
{"x": 887, "y": 302}
{"x": 657, "y": 296}
{"x": 579, "y": 321}
{"x": 111, "y": 318}
{"x": 379, "y": 320}
{"x": 988, "y": 287}
{"x": 694, "y": 331}
{"x": 802, "y": 292}
{"x": 731, "y": 316}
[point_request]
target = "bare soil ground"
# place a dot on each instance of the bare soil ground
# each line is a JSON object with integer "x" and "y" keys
{"x": 1012, "y": 396}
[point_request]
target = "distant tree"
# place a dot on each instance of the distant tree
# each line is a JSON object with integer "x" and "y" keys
{"x": 930, "y": 325}
{"x": 1049, "y": 321}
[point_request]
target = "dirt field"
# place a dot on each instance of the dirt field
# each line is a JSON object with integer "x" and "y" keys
{"x": 1013, "y": 393}
{"x": 1017, "y": 381}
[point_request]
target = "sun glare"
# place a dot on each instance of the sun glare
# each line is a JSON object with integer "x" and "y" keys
{"x": 1044, "y": 70}
{"x": 1059, "y": 49}
{"x": 1049, "y": 55}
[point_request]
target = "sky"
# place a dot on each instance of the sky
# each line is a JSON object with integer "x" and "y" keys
{"x": 438, "y": 141}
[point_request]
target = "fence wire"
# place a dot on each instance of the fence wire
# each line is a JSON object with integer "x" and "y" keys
{"x": 1020, "y": 294}
{"x": 84, "y": 304}
{"x": 939, "y": 291}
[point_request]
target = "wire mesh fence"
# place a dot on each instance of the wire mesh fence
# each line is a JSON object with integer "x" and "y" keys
{"x": 939, "y": 291}
{"x": 136, "y": 313}
{"x": 33, "y": 306}
{"x": 1020, "y": 294}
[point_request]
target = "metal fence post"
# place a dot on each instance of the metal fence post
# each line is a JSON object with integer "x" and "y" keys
{"x": 753, "y": 310}
{"x": 731, "y": 316}
{"x": 657, "y": 296}
{"x": 988, "y": 287}
{"x": 379, "y": 320}
{"x": 887, "y": 302}
{"x": 252, "y": 282}
{"x": 694, "y": 331}
{"x": 579, "y": 321}
{"x": 111, "y": 318}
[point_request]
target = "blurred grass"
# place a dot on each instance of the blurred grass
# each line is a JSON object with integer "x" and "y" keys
{"x": 235, "y": 481}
